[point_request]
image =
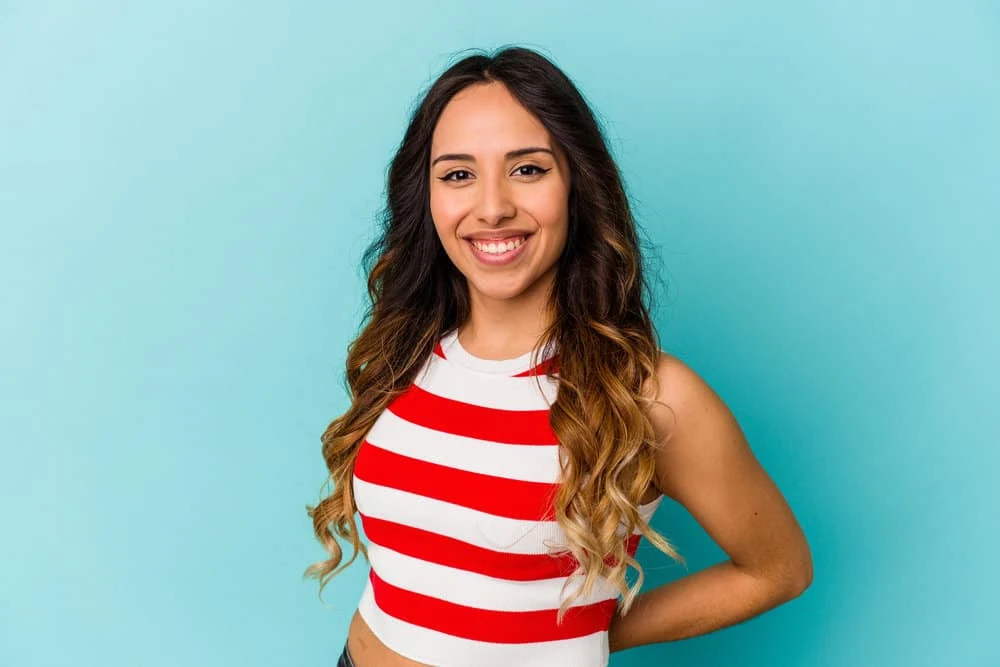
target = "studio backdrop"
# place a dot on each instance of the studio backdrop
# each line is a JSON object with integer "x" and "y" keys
{"x": 186, "y": 189}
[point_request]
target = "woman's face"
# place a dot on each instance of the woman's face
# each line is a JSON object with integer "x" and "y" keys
{"x": 499, "y": 194}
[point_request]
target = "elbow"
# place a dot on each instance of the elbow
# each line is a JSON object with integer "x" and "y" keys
{"x": 798, "y": 569}
{"x": 803, "y": 581}
{"x": 799, "y": 577}
{"x": 786, "y": 577}
{"x": 790, "y": 578}
{"x": 788, "y": 585}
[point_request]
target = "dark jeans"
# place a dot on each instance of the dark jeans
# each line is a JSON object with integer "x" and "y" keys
{"x": 345, "y": 658}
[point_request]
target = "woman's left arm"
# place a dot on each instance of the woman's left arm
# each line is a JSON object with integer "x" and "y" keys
{"x": 706, "y": 465}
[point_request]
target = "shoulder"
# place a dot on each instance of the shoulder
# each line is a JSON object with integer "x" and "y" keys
{"x": 694, "y": 427}
{"x": 677, "y": 388}
{"x": 675, "y": 379}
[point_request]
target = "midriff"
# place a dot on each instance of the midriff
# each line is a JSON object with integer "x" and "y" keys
{"x": 367, "y": 649}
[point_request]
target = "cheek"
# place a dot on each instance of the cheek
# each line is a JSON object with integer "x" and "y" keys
{"x": 446, "y": 211}
{"x": 551, "y": 210}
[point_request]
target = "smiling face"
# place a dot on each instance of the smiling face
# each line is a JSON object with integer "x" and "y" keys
{"x": 499, "y": 194}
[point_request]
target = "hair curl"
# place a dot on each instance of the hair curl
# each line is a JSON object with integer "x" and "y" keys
{"x": 607, "y": 345}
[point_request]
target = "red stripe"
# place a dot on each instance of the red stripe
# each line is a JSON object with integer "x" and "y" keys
{"x": 450, "y": 552}
{"x": 523, "y": 427}
{"x": 507, "y": 627}
{"x": 550, "y": 364}
{"x": 501, "y": 496}
{"x": 438, "y": 350}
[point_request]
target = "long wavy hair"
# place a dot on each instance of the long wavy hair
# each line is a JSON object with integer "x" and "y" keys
{"x": 607, "y": 346}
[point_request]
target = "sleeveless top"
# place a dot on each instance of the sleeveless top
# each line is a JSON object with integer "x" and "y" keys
{"x": 454, "y": 485}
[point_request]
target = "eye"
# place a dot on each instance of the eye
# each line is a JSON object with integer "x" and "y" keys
{"x": 537, "y": 170}
{"x": 448, "y": 176}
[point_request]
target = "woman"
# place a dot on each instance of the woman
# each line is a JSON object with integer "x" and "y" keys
{"x": 514, "y": 424}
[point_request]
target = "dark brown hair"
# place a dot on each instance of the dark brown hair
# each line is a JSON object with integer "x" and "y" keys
{"x": 608, "y": 348}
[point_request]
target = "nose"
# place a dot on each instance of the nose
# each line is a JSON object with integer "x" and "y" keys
{"x": 495, "y": 202}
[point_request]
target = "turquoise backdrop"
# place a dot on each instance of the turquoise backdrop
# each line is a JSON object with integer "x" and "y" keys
{"x": 185, "y": 191}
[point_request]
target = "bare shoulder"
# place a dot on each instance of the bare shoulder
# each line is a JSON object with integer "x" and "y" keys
{"x": 695, "y": 428}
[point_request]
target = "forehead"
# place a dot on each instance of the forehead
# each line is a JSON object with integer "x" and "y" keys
{"x": 486, "y": 118}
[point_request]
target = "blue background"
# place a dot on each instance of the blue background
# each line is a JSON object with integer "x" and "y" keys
{"x": 185, "y": 192}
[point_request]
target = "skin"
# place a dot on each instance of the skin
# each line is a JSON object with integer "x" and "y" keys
{"x": 705, "y": 463}
{"x": 492, "y": 193}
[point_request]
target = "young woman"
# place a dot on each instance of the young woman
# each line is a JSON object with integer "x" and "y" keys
{"x": 514, "y": 423}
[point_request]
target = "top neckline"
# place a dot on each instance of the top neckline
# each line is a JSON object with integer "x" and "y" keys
{"x": 453, "y": 351}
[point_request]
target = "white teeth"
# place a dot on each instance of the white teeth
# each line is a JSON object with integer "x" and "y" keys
{"x": 498, "y": 247}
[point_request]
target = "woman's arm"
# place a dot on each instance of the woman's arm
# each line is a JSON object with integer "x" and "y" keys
{"x": 706, "y": 465}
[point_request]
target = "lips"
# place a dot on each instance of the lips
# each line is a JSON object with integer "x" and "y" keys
{"x": 497, "y": 236}
{"x": 498, "y": 245}
{"x": 498, "y": 251}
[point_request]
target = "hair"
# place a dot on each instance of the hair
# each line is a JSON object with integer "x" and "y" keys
{"x": 607, "y": 345}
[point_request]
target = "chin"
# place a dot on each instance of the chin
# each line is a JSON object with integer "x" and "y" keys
{"x": 500, "y": 295}
{"x": 499, "y": 292}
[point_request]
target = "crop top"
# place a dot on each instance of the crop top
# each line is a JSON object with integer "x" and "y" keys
{"x": 454, "y": 485}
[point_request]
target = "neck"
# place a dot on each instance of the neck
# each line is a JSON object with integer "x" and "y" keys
{"x": 505, "y": 328}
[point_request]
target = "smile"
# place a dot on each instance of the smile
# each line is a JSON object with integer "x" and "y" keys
{"x": 499, "y": 251}
{"x": 499, "y": 247}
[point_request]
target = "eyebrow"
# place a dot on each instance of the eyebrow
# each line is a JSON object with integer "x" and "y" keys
{"x": 511, "y": 154}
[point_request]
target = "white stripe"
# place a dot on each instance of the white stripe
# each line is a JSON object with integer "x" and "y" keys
{"x": 472, "y": 589}
{"x": 449, "y": 380}
{"x": 518, "y": 536}
{"x": 530, "y": 463}
{"x": 647, "y": 510}
{"x": 497, "y": 533}
{"x": 436, "y": 648}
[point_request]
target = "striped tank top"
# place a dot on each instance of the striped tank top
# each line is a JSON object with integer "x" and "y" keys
{"x": 454, "y": 486}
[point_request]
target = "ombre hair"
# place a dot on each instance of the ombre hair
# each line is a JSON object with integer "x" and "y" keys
{"x": 607, "y": 345}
